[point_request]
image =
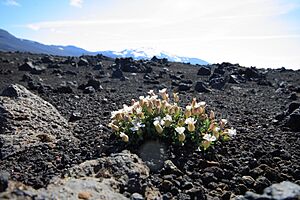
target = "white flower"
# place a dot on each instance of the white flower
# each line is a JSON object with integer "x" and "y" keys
{"x": 156, "y": 122}
{"x": 162, "y": 91}
{"x": 136, "y": 125}
{"x": 139, "y": 110}
{"x": 167, "y": 120}
{"x": 188, "y": 108}
{"x": 209, "y": 137}
{"x": 114, "y": 113}
{"x": 159, "y": 120}
{"x": 153, "y": 97}
{"x": 232, "y": 132}
{"x": 190, "y": 120}
{"x": 224, "y": 121}
{"x": 191, "y": 123}
{"x": 136, "y": 104}
{"x": 141, "y": 97}
{"x": 127, "y": 109}
{"x": 151, "y": 93}
{"x": 180, "y": 130}
{"x": 200, "y": 104}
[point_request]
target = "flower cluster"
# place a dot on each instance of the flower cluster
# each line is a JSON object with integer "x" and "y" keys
{"x": 157, "y": 116}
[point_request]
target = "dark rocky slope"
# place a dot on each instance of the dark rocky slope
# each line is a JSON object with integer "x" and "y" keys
{"x": 263, "y": 105}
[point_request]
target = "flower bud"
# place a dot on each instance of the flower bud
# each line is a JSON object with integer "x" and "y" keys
{"x": 201, "y": 110}
{"x": 124, "y": 137}
{"x": 158, "y": 103}
{"x": 119, "y": 116}
{"x": 212, "y": 115}
{"x": 187, "y": 113}
{"x": 158, "y": 127}
{"x": 176, "y": 97}
{"x": 191, "y": 127}
{"x": 177, "y": 109}
{"x": 163, "y": 104}
{"x": 181, "y": 137}
{"x": 114, "y": 127}
{"x": 194, "y": 101}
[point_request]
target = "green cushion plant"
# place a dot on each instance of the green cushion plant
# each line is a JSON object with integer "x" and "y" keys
{"x": 154, "y": 117}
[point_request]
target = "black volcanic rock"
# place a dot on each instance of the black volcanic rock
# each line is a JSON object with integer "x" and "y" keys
{"x": 176, "y": 77}
{"x": 89, "y": 90}
{"x": 75, "y": 116}
{"x": 66, "y": 89}
{"x": 158, "y": 60}
{"x": 47, "y": 59}
{"x": 184, "y": 86}
{"x": 236, "y": 79}
{"x": 3, "y": 180}
{"x": 219, "y": 70}
{"x": 130, "y": 65}
{"x": 290, "y": 117}
{"x": 293, "y": 96}
{"x": 217, "y": 83}
{"x": 293, "y": 106}
{"x": 28, "y": 66}
{"x": 204, "y": 71}
{"x": 27, "y": 77}
{"x": 94, "y": 83}
{"x": 99, "y": 66}
{"x": 252, "y": 73}
{"x": 83, "y": 62}
{"x": 54, "y": 65}
{"x": 117, "y": 73}
{"x": 201, "y": 87}
{"x": 293, "y": 120}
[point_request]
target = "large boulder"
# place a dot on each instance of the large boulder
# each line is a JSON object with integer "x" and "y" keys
{"x": 201, "y": 87}
{"x": 103, "y": 178}
{"x": 281, "y": 191}
{"x": 71, "y": 188}
{"x": 120, "y": 166}
{"x": 290, "y": 117}
{"x": 293, "y": 120}
{"x": 30, "y": 67}
{"x": 204, "y": 71}
{"x": 83, "y": 62}
{"x": 27, "y": 120}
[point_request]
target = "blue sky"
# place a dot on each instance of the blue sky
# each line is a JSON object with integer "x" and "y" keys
{"x": 262, "y": 33}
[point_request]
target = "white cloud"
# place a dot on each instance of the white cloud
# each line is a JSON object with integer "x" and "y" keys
{"x": 12, "y": 3}
{"x": 86, "y": 23}
{"x": 76, "y": 3}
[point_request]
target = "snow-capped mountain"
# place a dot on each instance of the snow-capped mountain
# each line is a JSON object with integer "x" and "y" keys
{"x": 148, "y": 53}
{"x": 8, "y": 42}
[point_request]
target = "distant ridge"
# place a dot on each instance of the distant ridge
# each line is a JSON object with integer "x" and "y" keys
{"x": 9, "y": 42}
{"x": 148, "y": 53}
